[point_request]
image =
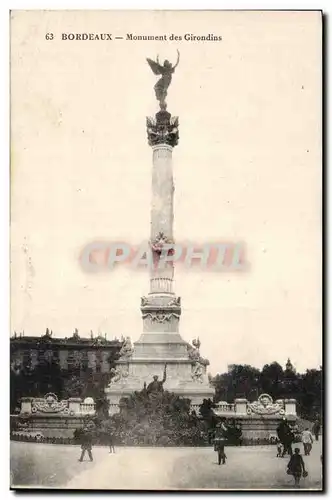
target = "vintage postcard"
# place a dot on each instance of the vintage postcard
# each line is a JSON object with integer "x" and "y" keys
{"x": 166, "y": 250}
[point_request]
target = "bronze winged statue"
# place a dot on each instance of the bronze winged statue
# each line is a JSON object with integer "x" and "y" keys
{"x": 166, "y": 70}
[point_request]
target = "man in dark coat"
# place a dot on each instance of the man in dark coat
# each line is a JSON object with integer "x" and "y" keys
{"x": 86, "y": 444}
{"x": 285, "y": 436}
{"x": 220, "y": 439}
{"x": 316, "y": 429}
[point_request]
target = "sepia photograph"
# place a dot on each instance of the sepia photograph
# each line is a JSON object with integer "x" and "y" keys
{"x": 166, "y": 250}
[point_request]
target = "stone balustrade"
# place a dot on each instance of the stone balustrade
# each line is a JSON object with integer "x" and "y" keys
{"x": 241, "y": 407}
{"x": 224, "y": 408}
{"x": 220, "y": 408}
{"x": 87, "y": 409}
{"x": 264, "y": 407}
{"x": 161, "y": 285}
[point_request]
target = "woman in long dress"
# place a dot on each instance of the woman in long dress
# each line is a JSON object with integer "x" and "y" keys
{"x": 296, "y": 466}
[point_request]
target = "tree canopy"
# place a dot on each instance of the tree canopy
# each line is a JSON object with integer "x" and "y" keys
{"x": 48, "y": 376}
{"x": 249, "y": 382}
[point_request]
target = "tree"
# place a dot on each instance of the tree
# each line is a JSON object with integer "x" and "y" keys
{"x": 291, "y": 386}
{"x": 162, "y": 420}
{"x": 271, "y": 379}
{"x": 240, "y": 381}
{"x": 221, "y": 383}
{"x": 206, "y": 411}
{"x": 310, "y": 397}
{"x": 48, "y": 376}
{"x": 249, "y": 382}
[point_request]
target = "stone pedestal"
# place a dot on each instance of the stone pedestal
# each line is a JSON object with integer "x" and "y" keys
{"x": 26, "y": 405}
{"x": 241, "y": 406}
{"x": 74, "y": 406}
{"x": 260, "y": 427}
{"x": 55, "y": 425}
{"x": 160, "y": 341}
{"x": 290, "y": 406}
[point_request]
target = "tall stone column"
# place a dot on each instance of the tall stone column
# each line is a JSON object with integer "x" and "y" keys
{"x": 162, "y": 216}
{"x": 161, "y": 309}
{"x": 162, "y": 137}
{"x": 160, "y": 350}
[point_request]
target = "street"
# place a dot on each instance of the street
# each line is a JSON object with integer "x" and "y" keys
{"x": 255, "y": 467}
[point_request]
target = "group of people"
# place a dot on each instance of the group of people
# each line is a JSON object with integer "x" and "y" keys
{"x": 86, "y": 440}
{"x": 286, "y": 437}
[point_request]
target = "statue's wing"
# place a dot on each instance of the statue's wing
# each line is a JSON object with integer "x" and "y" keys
{"x": 156, "y": 68}
{"x": 150, "y": 122}
{"x": 175, "y": 122}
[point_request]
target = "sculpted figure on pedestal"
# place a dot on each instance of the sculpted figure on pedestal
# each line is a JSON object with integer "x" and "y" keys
{"x": 144, "y": 301}
{"x": 197, "y": 372}
{"x": 156, "y": 386}
{"x": 121, "y": 371}
{"x": 166, "y": 70}
{"x": 194, "y": 354}
{"x": 175, "y": 302}
{"x": 126, "y": 349}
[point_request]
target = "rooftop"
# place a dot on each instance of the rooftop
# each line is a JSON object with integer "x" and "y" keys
{"x": 75, "y": 338}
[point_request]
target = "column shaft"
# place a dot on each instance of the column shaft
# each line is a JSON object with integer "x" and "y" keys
{"x": 162, "y": 214}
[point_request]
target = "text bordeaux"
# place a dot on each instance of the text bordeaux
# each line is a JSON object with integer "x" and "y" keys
{"x": 87, "y": 36}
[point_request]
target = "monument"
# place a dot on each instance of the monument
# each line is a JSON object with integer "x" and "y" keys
{"x": 160, "y": 354}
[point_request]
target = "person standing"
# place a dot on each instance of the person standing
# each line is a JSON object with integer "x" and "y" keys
{"x": 86, "y": 444}
{"x": 290, "y": 439}
{"x": 279, "y": 449}
{"x": 296, "y": 466}
{"x": 111, "y": 442}
{"x": 307, "y": 441}
{"x": 316, "y": 429}
{"x": 220, "y": 441}
{"x": 220, "y": 445}
{"x": 285, "y": 436}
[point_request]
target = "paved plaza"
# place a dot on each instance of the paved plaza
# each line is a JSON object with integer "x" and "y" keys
{"x": 256, "y": 467}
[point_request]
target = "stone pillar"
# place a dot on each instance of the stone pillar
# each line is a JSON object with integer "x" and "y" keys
{"x": 74, "y": 405}
{"x": 162, "y": 136}
{"x": 26, "y": 405}
{"x": 290, "y": 407}
{"x": 161, "y": 310}
{"x": 241, "y": 406}
{"x": 162, "y": 214}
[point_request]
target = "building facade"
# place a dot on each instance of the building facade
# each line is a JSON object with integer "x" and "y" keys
{"x": 96, "y": 353}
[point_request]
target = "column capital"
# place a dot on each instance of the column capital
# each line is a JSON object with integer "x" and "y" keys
{"x": 163, "y": 129}
{"x": 162, "y": 146}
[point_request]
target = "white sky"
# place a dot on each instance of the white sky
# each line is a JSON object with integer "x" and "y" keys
{"x": 247, "y": 168}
